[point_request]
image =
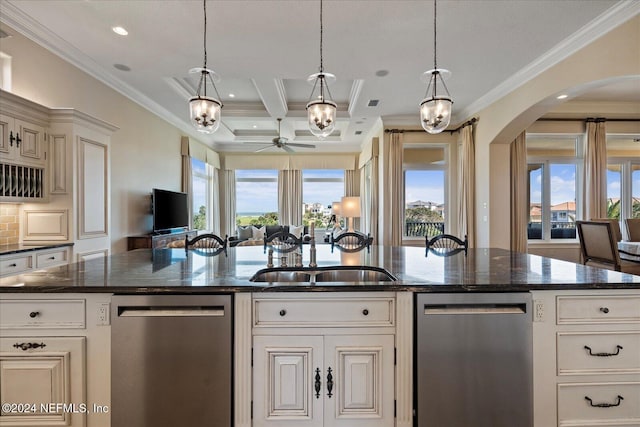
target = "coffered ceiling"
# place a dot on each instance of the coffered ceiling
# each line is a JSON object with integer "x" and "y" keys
{"x": 264, "y": 50}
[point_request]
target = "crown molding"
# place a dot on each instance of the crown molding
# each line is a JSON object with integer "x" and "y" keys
{"x": 356, "y": 88}
{"x": 610, "y": 19}
{"x": 15, "y": 18}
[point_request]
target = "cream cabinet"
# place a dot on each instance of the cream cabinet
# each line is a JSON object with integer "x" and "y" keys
{"x": 24, "y": 262}
{"x": 22, "y": 141}
{"x": 587, "y": 358}
{"x": 54, "y": 360}
{"x": 324, "y": 360}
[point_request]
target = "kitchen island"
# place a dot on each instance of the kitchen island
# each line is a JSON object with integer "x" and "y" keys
{"x": 568, "y": 305}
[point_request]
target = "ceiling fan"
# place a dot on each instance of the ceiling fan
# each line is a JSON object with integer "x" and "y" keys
{"x": 281, "y": 142}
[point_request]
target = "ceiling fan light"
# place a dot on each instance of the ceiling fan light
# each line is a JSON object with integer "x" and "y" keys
{"x": 205, "y": 113}
{"x": 322, "y": 117}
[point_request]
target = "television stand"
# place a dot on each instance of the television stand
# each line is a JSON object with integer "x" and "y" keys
{"x": 157, "y": 241}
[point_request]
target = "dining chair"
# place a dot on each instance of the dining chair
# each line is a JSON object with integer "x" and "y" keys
{"x": 282, "y": 241}
{"x": 633, "y": 229}
{"x": 207, "y": 244}
{"x": 351, "y": 241}
{"x": 615, "y": 223}
{"x": 446, "y": 245}
{"x": 598, "y": 246}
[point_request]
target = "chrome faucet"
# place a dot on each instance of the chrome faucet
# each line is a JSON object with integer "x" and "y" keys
{"x": 270, "y": 258}
{"x": 312, "y": 253}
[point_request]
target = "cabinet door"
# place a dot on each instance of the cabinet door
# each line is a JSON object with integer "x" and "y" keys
{"x": 31, "y": 146}
{"x": 6, "y": 126}
{"x": 284, "y": 380}
{"x": 362, "y": 370}
{"x": 46, "y": 373}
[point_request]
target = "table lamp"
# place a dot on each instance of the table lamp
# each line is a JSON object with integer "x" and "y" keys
{"x": 350, "y": 208}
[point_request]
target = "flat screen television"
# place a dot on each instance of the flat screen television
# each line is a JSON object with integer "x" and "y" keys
{"x": 170, "y": 210}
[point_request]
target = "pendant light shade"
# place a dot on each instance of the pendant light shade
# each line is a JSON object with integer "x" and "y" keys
{"x": 321, "y": 110}
{"x": 204, "y": 111}
{"x": 435, "y": 108}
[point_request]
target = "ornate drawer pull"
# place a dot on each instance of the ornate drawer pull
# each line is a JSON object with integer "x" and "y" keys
{"x": 34, "y": 314}
{"x": 13, "y": 265}
{"x": 24, "y": 346}
{"x": 52, "y": 257}
{"x": 605, "y": 310}
{"x": 329, "y": 383}
{"x": 618, "y": 348}
{"x": 604, "y": 405}
{"x": 317, "y": 385}
{"x": 283, "y": 312}
{"x": 365, "y": 312}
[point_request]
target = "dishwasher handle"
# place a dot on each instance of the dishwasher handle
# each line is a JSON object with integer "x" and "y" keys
{"x": 170, "y": 311}
{"x": 477, "y": 308}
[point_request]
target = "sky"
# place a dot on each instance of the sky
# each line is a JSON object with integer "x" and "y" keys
{"x": 427, "y": 186}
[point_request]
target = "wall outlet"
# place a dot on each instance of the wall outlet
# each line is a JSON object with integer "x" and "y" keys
{"x": 104, "y": 310}
{"x": 538, "y": 311}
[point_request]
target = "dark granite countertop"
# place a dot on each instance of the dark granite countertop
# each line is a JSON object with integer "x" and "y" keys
{"x": 178, "y": 271}
{"x": 22, "y": 247}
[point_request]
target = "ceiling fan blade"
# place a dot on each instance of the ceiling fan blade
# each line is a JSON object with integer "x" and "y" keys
{"x": 301, "y": 145}
{"x": 287, "y": 149}
{"x": 263, "y": 148}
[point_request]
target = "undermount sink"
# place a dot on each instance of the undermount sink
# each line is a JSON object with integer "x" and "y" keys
{"x": 360, "y": 273}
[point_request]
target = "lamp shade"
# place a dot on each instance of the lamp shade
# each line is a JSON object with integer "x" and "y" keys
{"x": 350, "y": 207}
{"x": 205, "y": 113}
{"x": 335, "y": 208}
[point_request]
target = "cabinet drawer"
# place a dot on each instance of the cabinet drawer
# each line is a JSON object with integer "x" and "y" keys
{"x": 598, "y": 352}
{"x": 343, "y": 312}
{"x": 598, "y": 309}
{"x": 16, "y": 264}
{"x": 52, "y": 258}
{"x": 42, "y": 314}
{"x": 615, "y": 402}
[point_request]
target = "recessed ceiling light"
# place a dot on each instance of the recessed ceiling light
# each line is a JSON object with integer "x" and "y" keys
{"x": 564, "y": 96}
{"x": 120, "y": 31}
{"x": 231, "y": 95}
{"x": 122, "y": 67}
{"x": 255, "y": 126}
{"x": 382, "y": 73}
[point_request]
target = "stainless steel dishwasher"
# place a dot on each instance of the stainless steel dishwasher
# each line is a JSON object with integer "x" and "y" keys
{"x": 171, "y": 361}
{"x": 474, "y": 360}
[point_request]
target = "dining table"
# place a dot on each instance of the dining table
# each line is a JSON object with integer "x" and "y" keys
{"x": 629, "y": 250}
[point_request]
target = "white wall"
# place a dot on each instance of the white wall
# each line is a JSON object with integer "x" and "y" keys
{"x": 145, "y": 152}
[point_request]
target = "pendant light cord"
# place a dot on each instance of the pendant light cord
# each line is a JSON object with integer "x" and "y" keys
{"x": 205, "y": 34}
{"x": 321, "y": 33}
{"x": 435, "y": 35}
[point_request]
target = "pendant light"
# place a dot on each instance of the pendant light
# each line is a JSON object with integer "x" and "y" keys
{"x": 205, "y": 110}
{"x": 321, "y": 110}
{"x": 435, "y": 108}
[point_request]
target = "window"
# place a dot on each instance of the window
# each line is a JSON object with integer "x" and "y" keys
{"x": 553, "y": 186}
{"x": 256, "y": 197}
{"x": 425, "y": 178}
{"x": 320, "y": 188}
{"x": 623, "y": 177}
{"x": 201, "y": 195}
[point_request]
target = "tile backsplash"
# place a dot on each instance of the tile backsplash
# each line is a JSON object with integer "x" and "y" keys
{"x": 9, "y": 223}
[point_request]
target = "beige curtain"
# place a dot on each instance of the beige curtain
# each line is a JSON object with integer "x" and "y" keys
{"x": 519, "y": 194}
{"x": 394, "y": 198}
{"x": 187, "y": 175}
{"x": 374, "y": 182}
{"x": 352, "y": 188}
{"x": 214, "y": 195}
{"x": 290, "y": 197}
{"x": 595, "y": 171}
{"x": 466, "y": 184}
{"x": 227, "y": 202}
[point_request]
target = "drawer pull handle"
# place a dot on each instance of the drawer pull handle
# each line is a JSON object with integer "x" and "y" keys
{"x": 13, "y": 265}
{"x": 618, "y": 348}
{"x": 317, "y": 385}
{"x": 329, "y": 383}
{"x": 34, "y": 314}
{"x": 283, "y": 312}
{"x": 605, "y": 310}
{"x": 24, "y": 346}
{"x": 52, "y": 257}
{"x": 604, "y": 405}
{"x": 365, "y": 312}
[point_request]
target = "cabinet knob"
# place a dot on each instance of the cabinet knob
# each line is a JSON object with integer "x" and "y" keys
{"x": 283, "y": 312}
{"x": 34, "y": 314}
{"x": 605, "y": 310}
{"x": 365, "y": 312}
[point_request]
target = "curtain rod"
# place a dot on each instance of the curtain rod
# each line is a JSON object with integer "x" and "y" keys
{"x": 467, "y": 123}
{"x": 589, "y": 119}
